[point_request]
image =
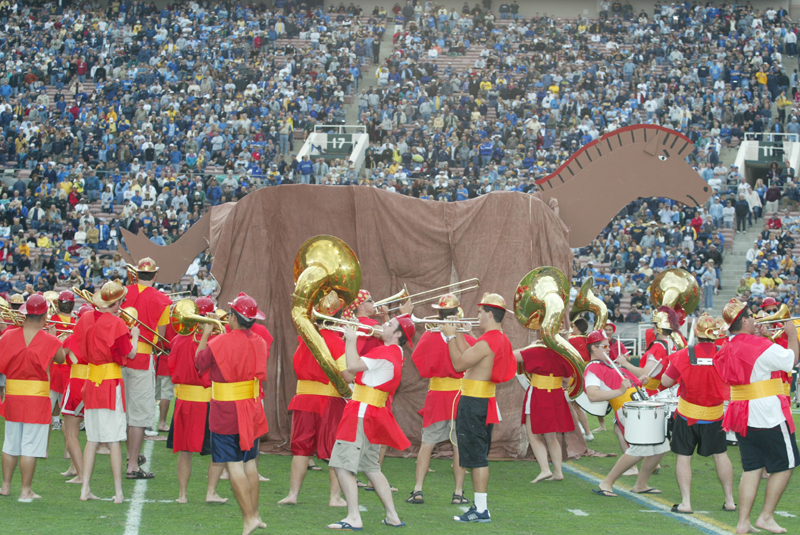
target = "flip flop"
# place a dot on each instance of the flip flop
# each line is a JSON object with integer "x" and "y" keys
{"x": 651, "y": 490}
{"x": 139, "y": 474}
{"x": 344, "y": 526}
{"x": 728, "y": 510}
{"x": 315, "y": 468}
{"x": 676, "y": 510}
{"x": 605, "y": 493}
{"x": 400, "y": 525}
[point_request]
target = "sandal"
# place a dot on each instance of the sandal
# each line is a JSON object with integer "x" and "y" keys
{"x": 139, "y": 474}
{"x": 415, "y": 497}
{"x": 459, "y": 499}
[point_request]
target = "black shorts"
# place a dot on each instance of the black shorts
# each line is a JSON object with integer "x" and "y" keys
{"x": 474, "y": 434}
{"x": 774, "y": 449}
{"x": 708, "y": 439}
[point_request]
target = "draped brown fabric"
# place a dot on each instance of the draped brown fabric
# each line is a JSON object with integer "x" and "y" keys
{"x": 399, "y": 240}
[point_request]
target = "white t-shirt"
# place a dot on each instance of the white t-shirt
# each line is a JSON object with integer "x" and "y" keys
{"x": 380, "y": 371}
{"x": 766, "y": 413}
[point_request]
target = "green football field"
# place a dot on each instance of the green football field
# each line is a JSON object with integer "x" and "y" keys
{"x": 517, "y": 506}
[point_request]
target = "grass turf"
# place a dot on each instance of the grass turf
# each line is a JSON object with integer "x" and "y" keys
{"x": 516, "y": 505}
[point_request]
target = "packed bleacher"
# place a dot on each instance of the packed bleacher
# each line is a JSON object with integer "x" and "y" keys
{"x": 141, "y": 118}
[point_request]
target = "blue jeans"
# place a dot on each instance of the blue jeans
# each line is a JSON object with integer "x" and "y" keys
{"x": 283, "y": 143}
{"x": 708, "y": 296}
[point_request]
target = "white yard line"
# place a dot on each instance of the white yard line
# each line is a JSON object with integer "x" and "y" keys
{"x": 137, "y": 500}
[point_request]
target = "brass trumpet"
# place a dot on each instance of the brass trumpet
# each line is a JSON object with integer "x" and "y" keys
{"x": 434, "y": 324}
{"x": 331, "y": 323}
{"x": 418, "y": 299}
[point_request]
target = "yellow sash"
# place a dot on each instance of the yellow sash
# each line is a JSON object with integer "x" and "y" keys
{"x": 193, "y": 393}
{"x": 619, "y": 401}
{"x": 699, "y": 412}
{"x": 370, "y": 396}
{"x": 444, "y": 384}
{"x": 787, "y": 389}
{"x": 653, "y": 384}
{"x": 234, "y": 391}
{"x": 546, "y": 382}
{"x": 104, "y": 372}
{"x": 24, "y": 387}
{"x": 757, "y": 390}
{"x": 144, "y": 348}
{"x": 316, "y": 388}
{"x": 79, "y": 371}
{"x": 478, "y": 389}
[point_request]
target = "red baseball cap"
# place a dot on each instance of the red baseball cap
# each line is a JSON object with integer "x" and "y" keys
{"x": 86, "y": 307}
{"x": 409, "y": 329}
{"x": 205, "y": 305}
{"x": 613, "y": 327}
{"x": 769, "y": 302}
{"x": 66, "y": 295}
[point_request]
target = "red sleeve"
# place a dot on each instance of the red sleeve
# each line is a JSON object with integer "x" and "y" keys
{"x": 121, "y": 349}
{"x": 204, "y": 360}
{"x": 673, "y": 373}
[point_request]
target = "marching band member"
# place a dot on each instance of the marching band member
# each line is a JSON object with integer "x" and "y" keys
{"x": 698, "y": 420}
{"x": 189, "y": 432}
{"x": 577, "y": 340}
{"x": 665, "y": 322}
{"x": 59, "y": 373}
{"x": 770, "y": 306}
{"x": 362, "y": 309}
{"x": 368, "y": 421}
{"x": 603, "y": 383}
{"x": 486, "y": 364}
{"x": 237, "y": 364}
{"x": 72, "y": 405}
{"x": 25, "y": 357}
{"x": 759, "y": 412}
{"x": 165, "y": 388}
{"x": 546, "y": 410}
{"x": 104, "y": 342}
{"x": 152, "y": 307}
{"x": 317, "y": 406}
{"x": 617, "y": 348}
{"x": 432, "y": 359}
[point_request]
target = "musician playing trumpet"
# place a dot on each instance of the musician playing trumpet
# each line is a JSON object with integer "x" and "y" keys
{"x": 604, "y": 383}
{"x": 432, "y": 359}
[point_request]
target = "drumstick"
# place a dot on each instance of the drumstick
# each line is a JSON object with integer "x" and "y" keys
{"x": 616, "y": 368}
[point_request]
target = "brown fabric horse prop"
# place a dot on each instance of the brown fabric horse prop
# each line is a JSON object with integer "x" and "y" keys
{"x": 599, "y": 180}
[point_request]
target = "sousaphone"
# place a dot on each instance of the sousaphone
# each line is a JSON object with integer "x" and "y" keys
{"x": 677, "y": 289}
{"x": 586, "y": 301}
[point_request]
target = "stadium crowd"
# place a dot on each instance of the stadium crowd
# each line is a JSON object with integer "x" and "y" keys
{"x": 140, "y": 117}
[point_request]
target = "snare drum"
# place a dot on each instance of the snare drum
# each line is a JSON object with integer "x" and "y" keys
{"x": 595, "y": 408}
{"x": 645, "y": 422}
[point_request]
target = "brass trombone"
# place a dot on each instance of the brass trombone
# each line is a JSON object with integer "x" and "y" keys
{"x": 9, "y": 315}
{"x": 331, "y": 323}
{"x": 131, "y": 317}
{"x": 133, "y": 275}
{"x": 434, "y": 324}
{"x": 185, "y": 318}
{"x": 418, "y": 299}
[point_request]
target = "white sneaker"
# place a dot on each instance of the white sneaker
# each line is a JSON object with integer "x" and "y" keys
{"x": 150, "y": 433}
{"x": 82, "y": 426}
{"x": 588, "y": 438}
{"x": 57, "y": 424}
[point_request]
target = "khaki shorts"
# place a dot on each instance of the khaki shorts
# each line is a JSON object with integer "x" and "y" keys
{"x": 105, "y": 425}
{"x": 164, "y": 387}
{"x": 29, "y": 440}
{"x": 140, "y": 395}
{"x": 440, "y": 432}
{"x": 358, "y": 456}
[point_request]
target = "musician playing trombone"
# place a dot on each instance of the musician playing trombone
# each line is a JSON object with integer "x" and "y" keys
{"x": 432, "y": 359}
{"x": 486, "y": 364}
{"x": 605, "y": 382}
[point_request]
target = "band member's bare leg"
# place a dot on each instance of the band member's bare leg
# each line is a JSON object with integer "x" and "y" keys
{"x": 9, "y": 465}
{"x": 748, "y": 488}
{"x": 296, "y": 477}
{"x": 240, "y": 483}
{"x": 336, "y": 499}
{"x": 540, "y": 451}
{"x": 27, "y": 466}
{"x": 163, "y": 410}
{"x": 184, "y": 473}
{"x": 423, "y": 464}
{"x": 480, "y": 479}
{"x": 649, "y": 466}
{"x": 683, "y": 472}
{"x": 624, "y": 463}
{"x": 214, "y": 473}
{"x": 116, "y": 470}
{"x": 602, "y": 422}
{"x": 89, "y": 453}
{"x": 71, "y": 429}
{"x": 725, "y": 474}
{"x": 775, "y": 486}
{"x": 384, "y": 492}
{"x": 135, "y": 438}
{"x": 347, "y": 481}
{"x": 459, "y": 473}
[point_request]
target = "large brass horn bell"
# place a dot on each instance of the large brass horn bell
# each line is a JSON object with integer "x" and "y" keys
{"x": 185, "y": 318}
{"x": 322, "y": 264}
{"x": 675, "y": 288}
{"x": 586, "y": 301}
{"x": 539, "y": 304}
